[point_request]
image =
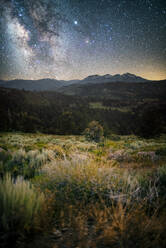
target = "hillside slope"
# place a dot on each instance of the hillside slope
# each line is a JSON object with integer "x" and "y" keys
{"x": 118, "y": 90}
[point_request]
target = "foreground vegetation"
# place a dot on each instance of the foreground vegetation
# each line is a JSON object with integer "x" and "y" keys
{"x": 66, "y": 191}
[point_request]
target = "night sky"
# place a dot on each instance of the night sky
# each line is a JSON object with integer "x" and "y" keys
{"x": 71, "y": 39}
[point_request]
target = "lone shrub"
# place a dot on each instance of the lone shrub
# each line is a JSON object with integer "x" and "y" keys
{"x": 94, "y": 132}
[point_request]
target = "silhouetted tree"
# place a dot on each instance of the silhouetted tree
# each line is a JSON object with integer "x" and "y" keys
{"x": 94, "y": 131}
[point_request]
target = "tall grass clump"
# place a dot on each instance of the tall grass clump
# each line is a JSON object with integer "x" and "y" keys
{"x": 20, "y": 209}
{"x": 161, "y": 184}
{"x": 23, "y": 163}
{"x": 86, "y": 182}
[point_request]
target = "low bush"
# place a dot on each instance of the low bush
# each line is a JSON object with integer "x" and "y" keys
{"x": 20, "y": 210}
{"x": 161, "y": 184}
{"x": 26, "y": 164}
{"x": 161, "y": 151}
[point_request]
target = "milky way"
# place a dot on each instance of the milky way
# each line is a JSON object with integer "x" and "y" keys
{"x": 71, "y": 39}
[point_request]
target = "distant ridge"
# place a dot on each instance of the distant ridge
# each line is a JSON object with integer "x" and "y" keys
{"x": 48, "y": 84}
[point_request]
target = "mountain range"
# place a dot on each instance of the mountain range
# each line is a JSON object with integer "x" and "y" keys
{"x": 48, "y": 84}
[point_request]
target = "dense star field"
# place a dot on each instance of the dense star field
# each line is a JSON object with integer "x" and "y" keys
{"x": 70, "y": 39}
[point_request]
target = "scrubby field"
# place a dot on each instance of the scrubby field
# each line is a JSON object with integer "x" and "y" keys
{"x": 64, "y": 191}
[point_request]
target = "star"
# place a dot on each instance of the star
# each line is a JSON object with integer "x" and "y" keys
{"x": 58, "y": 36}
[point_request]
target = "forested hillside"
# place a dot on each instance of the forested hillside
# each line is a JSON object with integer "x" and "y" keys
{"x": 138, "y": 109}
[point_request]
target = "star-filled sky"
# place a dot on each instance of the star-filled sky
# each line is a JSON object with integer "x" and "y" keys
{"x": 71, "y": 39}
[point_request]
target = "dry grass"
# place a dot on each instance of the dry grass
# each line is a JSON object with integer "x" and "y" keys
{"x": 95, "y": 196}
{"x": 104, "y": 226}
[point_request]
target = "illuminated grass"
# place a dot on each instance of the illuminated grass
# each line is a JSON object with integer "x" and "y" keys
{"x": 20, "y": 208}
{"x": 110, "y": 194}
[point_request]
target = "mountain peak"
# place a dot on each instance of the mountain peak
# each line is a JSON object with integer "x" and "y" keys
{"x": 126, "y": 77}
{"x": 132, "y": 77}
{"x": 107, "y": 76}
{"x": 129, "y": 74}
{"x": 93, "y": 77}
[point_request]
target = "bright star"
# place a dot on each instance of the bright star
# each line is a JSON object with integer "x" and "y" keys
{"x": 75, "y": 22}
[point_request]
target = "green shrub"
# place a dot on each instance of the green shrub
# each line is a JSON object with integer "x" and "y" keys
{"x": 20, "y": 209}
{"x": 161, "y": 151}
{"x": 4, "y": 155}
{"x": 25, "y": 164}
{"x": 94, "y": 132}
{"x": 161, "y": 173}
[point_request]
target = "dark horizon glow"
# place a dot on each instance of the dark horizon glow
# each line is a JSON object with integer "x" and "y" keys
{"x": 72, "y": 39}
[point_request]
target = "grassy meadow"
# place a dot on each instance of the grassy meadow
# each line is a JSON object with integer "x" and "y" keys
{"x": 65, "y": 191}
